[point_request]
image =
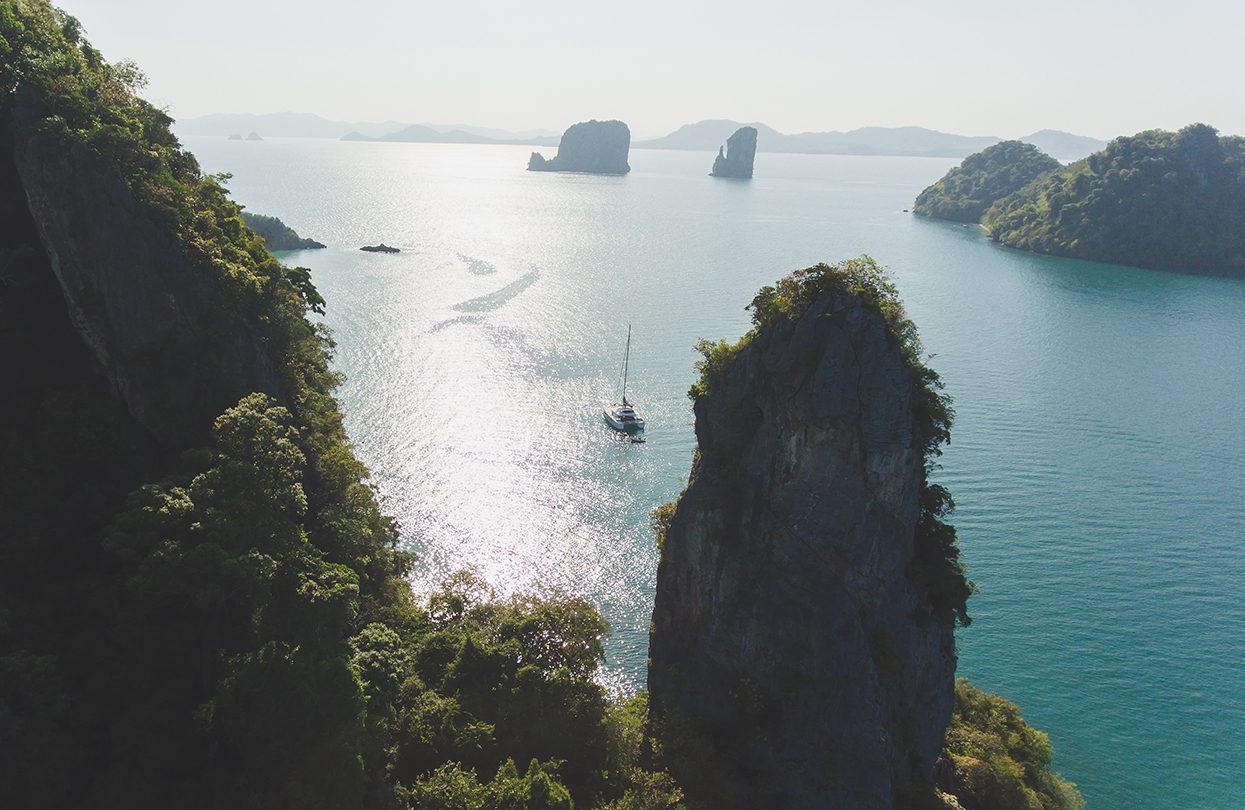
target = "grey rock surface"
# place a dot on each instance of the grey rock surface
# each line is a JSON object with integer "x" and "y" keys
{"x": 593, "y": 147}
{"x": 785, "y": 630}
{"x": 736, "y": 159}
{"x": 152, "y": 319}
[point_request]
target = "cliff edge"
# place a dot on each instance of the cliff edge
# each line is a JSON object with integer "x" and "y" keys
{"x": 592, "y": 147}
{"x": 737, "y": 158}
{"x": 160, "y": 327}
{"x": 802, "y": 651}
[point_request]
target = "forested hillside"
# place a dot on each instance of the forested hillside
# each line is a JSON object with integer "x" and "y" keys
{"x": 966, "y": 191}
{"x": 1167, "y": 200}
{"x": 205, "y": 607}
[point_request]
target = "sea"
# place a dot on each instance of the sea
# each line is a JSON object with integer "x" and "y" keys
{"x": 1097, "y": 457}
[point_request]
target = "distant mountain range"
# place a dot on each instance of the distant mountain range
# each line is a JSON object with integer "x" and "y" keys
{"x": 310, "y": 125}
{"x": 423, "y": 133}
{"x": 905, "y": 141}
{"x": 704, "y": 136}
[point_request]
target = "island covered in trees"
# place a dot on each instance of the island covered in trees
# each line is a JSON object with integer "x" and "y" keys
{"x": 1157, "y": 199}
{"x": 966, "y": 191}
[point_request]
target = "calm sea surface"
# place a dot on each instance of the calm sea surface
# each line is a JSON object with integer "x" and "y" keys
{"x": 1098, "y": 457}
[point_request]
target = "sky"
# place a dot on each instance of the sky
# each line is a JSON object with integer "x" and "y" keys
{"x": 975, "y": 68}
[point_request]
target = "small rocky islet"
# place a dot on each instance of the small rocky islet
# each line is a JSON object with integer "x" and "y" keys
{"x": 589, "y": 147}
{"x": 736, "y": 158}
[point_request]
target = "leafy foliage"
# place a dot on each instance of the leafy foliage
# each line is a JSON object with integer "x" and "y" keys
{"x": 1001, "y": 763}
{"x": 968, "y": 190}
{"x": 1168, "y": 200}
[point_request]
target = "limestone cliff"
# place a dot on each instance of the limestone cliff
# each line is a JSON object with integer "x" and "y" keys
{"x": 593, "y": 147}
{"x": 154, "y": 322}
{"x": 737, "y": 158}
{"x": 797, "y": 644}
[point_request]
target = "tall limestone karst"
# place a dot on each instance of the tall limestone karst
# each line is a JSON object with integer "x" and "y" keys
{"x": 802, "y": 652}
{"x": 591, "y": 147}
{"x": 736, "y": 159}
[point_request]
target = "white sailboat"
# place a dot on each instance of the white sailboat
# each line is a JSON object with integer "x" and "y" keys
{"x": 622, "y": 416}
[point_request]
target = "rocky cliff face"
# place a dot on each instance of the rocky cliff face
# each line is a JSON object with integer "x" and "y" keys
{"x": 791, "y": 644}
{"x": 594, "y": 147}
{"x": 153, "y": 322}
{"x": 737, "y": 158}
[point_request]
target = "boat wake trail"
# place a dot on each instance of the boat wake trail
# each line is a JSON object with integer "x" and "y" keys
{"x": 496, "y": 300}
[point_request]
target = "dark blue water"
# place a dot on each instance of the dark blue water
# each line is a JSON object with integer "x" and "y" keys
{"x": 1098, "y": 457}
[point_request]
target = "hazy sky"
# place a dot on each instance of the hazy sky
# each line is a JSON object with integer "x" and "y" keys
{"x": 982, "y": 68}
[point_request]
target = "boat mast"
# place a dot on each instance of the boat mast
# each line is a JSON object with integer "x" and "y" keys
{"x": 626, "y": 360}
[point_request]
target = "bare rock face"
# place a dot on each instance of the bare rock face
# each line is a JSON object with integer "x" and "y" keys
{"x": 152, "y": 320}
{"x": 593, "y": 147}
{"x": 791, "y": 645}
{"x": 737, "y": 158}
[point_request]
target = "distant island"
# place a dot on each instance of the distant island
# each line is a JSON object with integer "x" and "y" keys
{"x": 381, "y": 248}
{"x": 254, "y": 136}
{"x": 276, "y": 234}
{"x": 420, "y": 133}
{"x": 1157, "y": 199}
{"x": 736, "y": 159}
{"x": 310, "y": 125}
{"x": 897, "y": 141}
{"x": 235, "y": 137}
{"x": 702, "y": 136}
{"x": 593, "y": 147}
{"x": 966, "y": 191}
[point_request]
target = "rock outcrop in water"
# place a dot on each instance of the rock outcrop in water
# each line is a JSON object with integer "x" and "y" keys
{"x": 802, "y": 652}
{"x": 592, "y": 147}
{"x": 737, "y": 158}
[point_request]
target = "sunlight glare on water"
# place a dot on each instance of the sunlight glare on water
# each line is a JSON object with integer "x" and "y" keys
{"x": 1098, "y": 456}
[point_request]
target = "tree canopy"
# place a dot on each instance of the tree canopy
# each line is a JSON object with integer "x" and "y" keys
{"x": 1166, "y": 200}
{"x": 968, "y": 190}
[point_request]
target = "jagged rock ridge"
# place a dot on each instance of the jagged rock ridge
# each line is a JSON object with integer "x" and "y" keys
{"x": 593, "y": 147}
{"x": 737, "y": 157}
{"x": 791, "y": 634}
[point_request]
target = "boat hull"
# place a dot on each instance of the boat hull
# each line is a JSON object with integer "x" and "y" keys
{"x": 623, "y": 426}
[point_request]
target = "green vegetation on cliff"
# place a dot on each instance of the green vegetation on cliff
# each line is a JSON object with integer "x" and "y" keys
{"x": 223, "y": 620}
{"x": 968, "y": 190}
{"x": 1167, "y": 200}
{"x": 1000, "y": 762}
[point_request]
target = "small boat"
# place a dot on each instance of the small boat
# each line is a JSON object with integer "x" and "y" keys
{"x": 622, "y": 416}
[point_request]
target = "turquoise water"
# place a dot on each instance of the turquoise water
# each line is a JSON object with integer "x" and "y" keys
{"x": 1098, "y": 457}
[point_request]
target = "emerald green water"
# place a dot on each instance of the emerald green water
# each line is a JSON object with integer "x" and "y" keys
{"x": 1098, "y": 456}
